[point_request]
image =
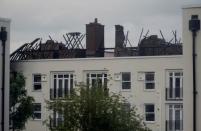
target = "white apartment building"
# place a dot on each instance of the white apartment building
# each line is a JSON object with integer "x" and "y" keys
{"x": 4, "y": 114}
{"x": 160, "y": 86}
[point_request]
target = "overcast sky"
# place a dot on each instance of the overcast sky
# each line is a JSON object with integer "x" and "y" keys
{"x": 39, "y": 18}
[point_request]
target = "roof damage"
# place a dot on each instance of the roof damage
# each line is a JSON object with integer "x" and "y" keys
{"x": 73, "y": 47}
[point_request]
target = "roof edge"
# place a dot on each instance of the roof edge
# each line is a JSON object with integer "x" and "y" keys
{"x": 5, "y": 19}
{"x": 100, "y": 58}
{"x": 189, "y": 6}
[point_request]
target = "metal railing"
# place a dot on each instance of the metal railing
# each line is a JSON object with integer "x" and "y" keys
{"x": 54, "y": 94}
{"x": 174, "y": 93}
{"x": 55, "y": 122}
{"x": 174, "y": 125}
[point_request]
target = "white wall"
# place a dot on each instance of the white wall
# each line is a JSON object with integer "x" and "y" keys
{"x": 188, "y": 72}
{"x": 5, "y": 23}
{"x": 137, "y": 95}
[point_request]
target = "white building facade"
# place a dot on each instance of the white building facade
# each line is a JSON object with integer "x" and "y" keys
{"x": 161, "y": 87}
{"x": 146, "y": 78}
{"x": 5, "y": 23}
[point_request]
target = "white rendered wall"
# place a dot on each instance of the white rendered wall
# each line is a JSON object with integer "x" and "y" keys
{"x": 188, "y": 72}
{"x": 137, "y": 95}
{"x": 5, "y": 23}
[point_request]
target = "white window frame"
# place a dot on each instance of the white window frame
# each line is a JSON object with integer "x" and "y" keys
{"x": 173, "y": 82}
{"x": 145, "y": 113}
{"x": 69, "y": 74}
{"x": 103, "y": 77}
{"x": 56, "y": 118}
{"x": 38, "y": 111}
{"x": 153, "y": 81}
{"x": 173, "y": 108}
{"x": 130, "y": 81}
{"x": 36, "y": 83}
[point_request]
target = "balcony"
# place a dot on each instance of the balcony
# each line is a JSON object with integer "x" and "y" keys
{"x": 56, "y": 122}
{"x": 174, "y": 93}
{"x": 59, "y": 93}
{"x": 174, "y": 125}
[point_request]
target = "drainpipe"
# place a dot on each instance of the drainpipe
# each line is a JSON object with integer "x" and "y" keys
{"x": 3, "y": 38}
{"x": 194, "y": 26}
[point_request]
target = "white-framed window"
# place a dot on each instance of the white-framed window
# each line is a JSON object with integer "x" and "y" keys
{"x": 126, "y": 80}
{"x": 95, "y": 79}
{"x": 174, "y": 117}
{"x": 57, "y": 119}
{"x": 37, "y": 111}
{"x": 62, "y": 85}
{"x": 149, "y": 112}
{"x": 174, "y": 88}
{"x": 149, "y": 80}
{"x": 37, "y": 84}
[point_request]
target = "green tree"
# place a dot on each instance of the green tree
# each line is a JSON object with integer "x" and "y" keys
{"x": 94, "y": 109}
{"x": 21, "y": 105}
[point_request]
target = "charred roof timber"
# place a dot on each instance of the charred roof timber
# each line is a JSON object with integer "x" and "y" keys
{"x": 74, "y": 48}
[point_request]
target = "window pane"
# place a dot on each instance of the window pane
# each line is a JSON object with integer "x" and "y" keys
{"x": 71, "y": 84}
{"x": 37, "y": 86}
{"x": 149, "y": 76}
{"x": 66, "y": 87}
{"x": 126, "y": 85}
{"x": 177, "y": 82}
{"x": 71, "y": 76}
{"x": 98, "y": 79}
{"x": 177, "y": 115}
{"x": 37, "y": 115}
{"x": 99, "y": 75}
{"x": 149, "y": 108}
{"x": 150, "y": 117}
{"x": 55, "y": 76}
{"x": 37, "y": 78}
{"x": 93, "y": 75}
{"x": 170, "y": 114}
{"x": 150, "y": 85}
{"x": 105, "y": 75}
{"x": 93, "y": 82}
{"x": 105, "y": 82}
{"x": 177, "y": 74}
{"x": 37, "y": 111}
{"x": 99, "y": 82}
{"x": 37, "y": 107}
{"x": 55, "y": 88}
{"x": 170, "y": 82}
{"x": 60, "y": 76}
{"x": 65, "y": 76}
{"x": 126, "y": 76}
{"x": 60, "y": 88}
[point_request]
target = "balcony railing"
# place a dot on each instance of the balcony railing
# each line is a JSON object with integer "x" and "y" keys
{"x": 174, "y": 93}
{"x": 174, "y": 125}
{"x": 56, "y": 122}
{"x": 59, "y": 93}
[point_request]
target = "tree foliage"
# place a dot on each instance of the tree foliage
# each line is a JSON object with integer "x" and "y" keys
{"x": 94, "y": 109}
{"x": 21, "y": 105}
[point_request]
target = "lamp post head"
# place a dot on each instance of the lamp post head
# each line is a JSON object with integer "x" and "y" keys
{"x": 194, "y": 23}
{"x": 3, "y": 34}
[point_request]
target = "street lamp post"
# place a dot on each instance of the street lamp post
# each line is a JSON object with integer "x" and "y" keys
{"x": 3, "y": 38}
{"x": 194, "y": 27}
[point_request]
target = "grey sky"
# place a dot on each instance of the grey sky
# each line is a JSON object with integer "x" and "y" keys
{"x": 40, "y": 18}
